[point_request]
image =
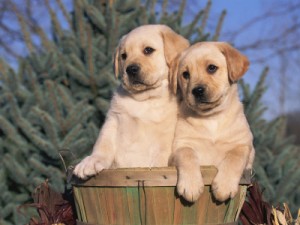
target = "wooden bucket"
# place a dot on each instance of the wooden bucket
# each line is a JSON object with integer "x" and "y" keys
{"x": 148, "y": 196}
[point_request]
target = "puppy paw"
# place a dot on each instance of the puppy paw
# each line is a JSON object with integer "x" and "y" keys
{"x": 190, "y": 185}
{"x": 89, "y": 166}
{"x": 225, "y": 187}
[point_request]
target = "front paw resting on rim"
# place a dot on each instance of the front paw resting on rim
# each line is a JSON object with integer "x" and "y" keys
{"x": 89, "y": 166}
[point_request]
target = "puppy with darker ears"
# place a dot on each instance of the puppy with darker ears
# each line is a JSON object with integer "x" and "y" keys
{"x": 212, "y": 128}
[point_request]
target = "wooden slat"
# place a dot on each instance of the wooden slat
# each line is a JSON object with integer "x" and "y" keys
{"x": 166, "y": 200}
{"x": 189, "y": 213}
{"x": 102, "y": 213}
{"x": 222, "y": 211}
{"x": 120, "y": 206}
{"x": 149, "y": 198}
{"x": 90, "y": 203}
{"x": 212, "y": 211}
{"x": 96, "y": 204}
{"x": 79, "y": 204}
{"x": 133, "y": 205}
{"x": 159, "y": 202}
{"x": 202, "y": 204}
{"x": 112, "y": 213}
{"x": 177, "y": 215}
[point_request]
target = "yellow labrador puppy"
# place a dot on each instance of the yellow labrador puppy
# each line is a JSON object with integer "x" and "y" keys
{"x": 140, "y": 124}
{"x": 212, "y": 128}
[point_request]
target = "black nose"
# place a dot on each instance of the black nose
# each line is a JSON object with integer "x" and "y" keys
{"x": 199, "y": 92}
{"x": 133, "y": 70}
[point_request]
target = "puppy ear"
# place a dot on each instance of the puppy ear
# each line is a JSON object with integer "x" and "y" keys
{"x": 173, "y": 74}
{"x": 116, "y": 63}
{"x": 237, "y": 63}
{"x": 116, "y": 60}
{"x": 173, "y": 44}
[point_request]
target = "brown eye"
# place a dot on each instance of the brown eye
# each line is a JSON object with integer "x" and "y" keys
{"x": 186, "y": 75}
{"x": 211, "y": 69}
{"x": 124, "y": 56}
{"x": 148, "y": 50}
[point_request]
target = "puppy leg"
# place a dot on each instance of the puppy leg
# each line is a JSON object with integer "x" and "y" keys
{"x": 103, "y": 151}
{"x": 189, "y": 184}
{"x": 226, "y": 183}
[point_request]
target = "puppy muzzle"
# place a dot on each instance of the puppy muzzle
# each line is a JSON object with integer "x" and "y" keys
{"x": 199, "y": 93}
{"x": 133, "y": 72}
{"x": 133, "y": 80}
{"x": 200, "y": 100}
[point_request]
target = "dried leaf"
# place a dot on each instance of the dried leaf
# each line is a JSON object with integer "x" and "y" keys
{"x": 51, "y": 206}
{"x": 255, "y": 210}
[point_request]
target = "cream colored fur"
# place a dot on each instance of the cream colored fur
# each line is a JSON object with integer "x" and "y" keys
{"x": 214, "y": 133}
{"x": 140, "y": 123}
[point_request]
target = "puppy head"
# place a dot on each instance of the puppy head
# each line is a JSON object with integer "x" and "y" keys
{"x": 205, "y": 72}
{"x": 144, "y": 55}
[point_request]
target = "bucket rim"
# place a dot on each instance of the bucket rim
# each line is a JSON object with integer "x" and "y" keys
{"x": 147, "y": 177}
